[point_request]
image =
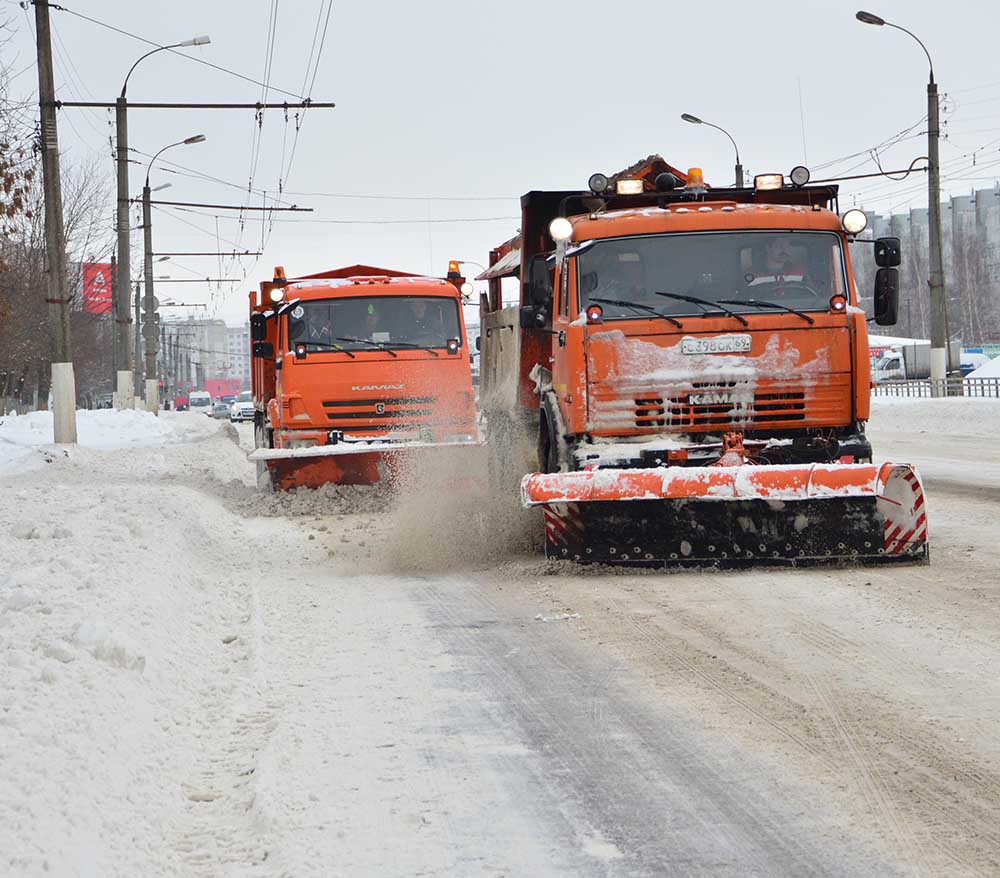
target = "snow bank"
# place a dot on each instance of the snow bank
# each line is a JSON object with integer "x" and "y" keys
{"x": 946, "y": 416}
{"x": 990, "y": 369}
{"x": 26, "y": 440}
{"x": 124, "y": 607}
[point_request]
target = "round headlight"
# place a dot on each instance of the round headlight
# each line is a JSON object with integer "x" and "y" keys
{"x": 595, "y": 313}
{"x": 277, "y": 294}
{"x": 799, "y": 175}
{"x": 561, "y": 229}
{"x": 598, "y": 183}
{"x": 854, "y": 221}
{"x": 466, "y": 289}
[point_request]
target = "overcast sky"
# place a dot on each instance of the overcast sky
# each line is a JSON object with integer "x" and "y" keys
{"x": 458, "y": 99}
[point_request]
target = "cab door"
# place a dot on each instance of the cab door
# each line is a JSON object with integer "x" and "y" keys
{"x": 567, "y": 359}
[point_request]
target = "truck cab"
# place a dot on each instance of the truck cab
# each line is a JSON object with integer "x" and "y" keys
{"x": 352, "y": 364}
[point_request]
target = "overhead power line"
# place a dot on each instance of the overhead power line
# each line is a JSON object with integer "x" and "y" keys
{"x": 292, "y": 209}
{"x": 162, "y": 105}
{"x": 195, "y": 58}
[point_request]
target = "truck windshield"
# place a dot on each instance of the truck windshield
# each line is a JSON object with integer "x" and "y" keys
{"x": 748, "y": 272}
{"x": 386, "y": 321}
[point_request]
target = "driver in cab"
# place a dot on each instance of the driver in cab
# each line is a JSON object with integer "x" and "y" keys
{"x": 620, "y": 276}
{"x": 782, "y": 261}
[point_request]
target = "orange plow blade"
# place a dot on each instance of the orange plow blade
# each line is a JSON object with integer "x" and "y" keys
{"x": 450, "y": 463}
{"x": 733, "y": 515}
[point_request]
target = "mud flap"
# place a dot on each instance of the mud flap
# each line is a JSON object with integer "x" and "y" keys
{"x": 878, "y": 515}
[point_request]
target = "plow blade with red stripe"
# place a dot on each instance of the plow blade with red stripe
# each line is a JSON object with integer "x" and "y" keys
{"x": 733, "y": 515}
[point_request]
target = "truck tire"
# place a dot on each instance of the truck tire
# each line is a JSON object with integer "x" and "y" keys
{"x": 549, "y": 439}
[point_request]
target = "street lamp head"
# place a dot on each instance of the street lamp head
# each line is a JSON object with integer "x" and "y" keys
{"x": 197, "y": 41}
{"x": 198, "y": 138}
{"x": 161, "y": 186}
{"x": 869, "y": 18}
{"x": 687, "y": 117}
{"x": 163, "y": 259}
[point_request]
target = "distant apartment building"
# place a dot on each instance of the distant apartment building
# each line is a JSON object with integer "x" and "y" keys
{"x": 970, "y": 240}
{"x": 238, "y": 345}
{"x": 198, "y": 350}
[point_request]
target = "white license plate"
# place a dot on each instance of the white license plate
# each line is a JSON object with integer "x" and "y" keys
{"x": 721, "y": 344}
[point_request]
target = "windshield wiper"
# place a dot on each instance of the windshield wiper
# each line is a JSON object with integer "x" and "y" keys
{"x": 760, "y": 303}
{"x": 705, "y": 305}
{"x": 380, "y": 345}
{"x": 375, "y": 344}
{"x": 416, "y": 347}
{"x": 621, "y": 303}
{"x": 327, "y": 344}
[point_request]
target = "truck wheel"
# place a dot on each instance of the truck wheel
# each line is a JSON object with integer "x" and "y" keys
{"x": 548, "y": 450}
{"x": 549, "y": 440}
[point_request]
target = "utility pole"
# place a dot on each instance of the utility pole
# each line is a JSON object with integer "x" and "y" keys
{"x": 58, "y": 299}
{"x": 114, "y": 323}
{"x": 137, "y": 385}
{"x": 149, "y": 328}
{"x": 940, "y": 365}
{"x": 124, "y": 390}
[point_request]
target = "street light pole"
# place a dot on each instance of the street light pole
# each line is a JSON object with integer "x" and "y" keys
{"x": 122, "y": 293}
{"x": 149, "y": 328}
{"x": 940, "y": 365}
{"x": 694, "y": 120}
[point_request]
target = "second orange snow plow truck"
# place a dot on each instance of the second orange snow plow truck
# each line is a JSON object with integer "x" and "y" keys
{"x": 355, "y": 371}
{"x": 692, "y": 366}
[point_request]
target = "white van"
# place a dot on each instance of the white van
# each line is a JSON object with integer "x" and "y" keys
{"x": 201, "y": 400}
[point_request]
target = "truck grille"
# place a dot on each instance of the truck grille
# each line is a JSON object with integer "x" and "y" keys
{"x": 718, "y": 404}
{"x": 400, "y": 413}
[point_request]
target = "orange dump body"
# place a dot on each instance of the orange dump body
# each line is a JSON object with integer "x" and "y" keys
{"x": 342, "y": 395}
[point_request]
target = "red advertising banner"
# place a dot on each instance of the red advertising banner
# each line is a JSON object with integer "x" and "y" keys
{"x": 97, "y": 287}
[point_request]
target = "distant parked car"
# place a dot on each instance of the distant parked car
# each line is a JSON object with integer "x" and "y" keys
{"x": 180, "y": 403}
{"x": 228, "y": 400}
{"x": 220, "y": 410}
{"x": 242, "y": 408}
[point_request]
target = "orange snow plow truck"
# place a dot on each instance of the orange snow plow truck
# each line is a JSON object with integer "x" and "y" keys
{"x": 356, "y": 371}
{"x": 691, "y": 364}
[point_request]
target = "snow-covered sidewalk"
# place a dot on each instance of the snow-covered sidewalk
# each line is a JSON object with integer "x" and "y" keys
{"x": 26, "y": 440}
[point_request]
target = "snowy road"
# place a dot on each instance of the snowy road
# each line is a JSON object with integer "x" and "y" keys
{"x": 199, "y": 680}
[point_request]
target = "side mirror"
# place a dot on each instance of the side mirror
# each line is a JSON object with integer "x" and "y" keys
{"x": 532, "y": 317}
{"x": 886, "y": 296}
{"x": 887, "y": 252}
{"x": 263, "y": 349}
{"x": 539, "y": 281}
{"x": 258, "y": 327}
